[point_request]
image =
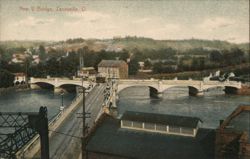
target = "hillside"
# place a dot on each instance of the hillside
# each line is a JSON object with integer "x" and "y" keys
{"x": 130, "y": 43}
{"x": 144, "y": 43}
{"x": 23, "y": 43}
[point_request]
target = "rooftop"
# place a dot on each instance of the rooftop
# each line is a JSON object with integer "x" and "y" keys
{"x": 19, "y": 74}
{"x": 172, "y": 120}
{"x": 109, "y": 138}
{"x": 111, "y": 63}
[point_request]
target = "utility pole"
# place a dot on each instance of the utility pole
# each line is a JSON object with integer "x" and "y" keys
{"x": 40, "y": 124}
{"x": 83, "y": 122}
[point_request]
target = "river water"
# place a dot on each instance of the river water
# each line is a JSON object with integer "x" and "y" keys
{"x": 31, "y": 100}
{"x": 210, "y": 108}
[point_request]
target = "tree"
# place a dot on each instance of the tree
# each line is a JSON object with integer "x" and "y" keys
{"x": 234, "y": 56}
{"x": 158, "y": 68}
{"x": 69, "y": 65}
{"x": 6, "y": 78}
{"x": 53, "y": 67}
{"x": 216, "y": 56}
{"x": 124, "y": 55}
{"x": 133, "y": 66}
{"x": 42, "y": 52}
{"x": 147, "y": 64}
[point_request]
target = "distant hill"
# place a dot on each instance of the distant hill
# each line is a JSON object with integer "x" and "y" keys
{"x": 181, "y": 45}
{"x": 129, "y": 43}
{"x": 23, "y": 43}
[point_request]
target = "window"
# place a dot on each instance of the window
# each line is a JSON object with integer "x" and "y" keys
{"x": 126, "y": 123}
{"x": 161, "y": 127}
{"x": 149, "y": 126}
{"x": 188, "y": 131}
{"x": 174, "y": 129}
{"x": 137, "y": 124}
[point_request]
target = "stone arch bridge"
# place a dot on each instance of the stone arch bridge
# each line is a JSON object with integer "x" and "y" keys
{"x": 57, "y": 83}
{"x": 157, "y": 87}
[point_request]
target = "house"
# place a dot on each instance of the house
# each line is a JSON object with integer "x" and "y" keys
{"x": 113, "y": 68}
{"x": 36, "y": 59}
{"x": 141, "y": 64}
{"x": 86, "y": 72}
{"x": 18, "y": 58}
{"x": 20, "y": 78}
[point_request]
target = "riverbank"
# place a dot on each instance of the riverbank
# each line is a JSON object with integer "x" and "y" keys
{"x": 14, "y": 88}
{"x": 241, "y": 70}
{"x": 245, "y": 90}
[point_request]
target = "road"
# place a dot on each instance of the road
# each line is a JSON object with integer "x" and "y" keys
{"x": 66, "y": 141}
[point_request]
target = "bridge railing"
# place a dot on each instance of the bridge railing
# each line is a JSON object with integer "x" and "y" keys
{"x": 52, "y": 122}
{"x": 233, "y": 83}
{"x": 179, "y": 82}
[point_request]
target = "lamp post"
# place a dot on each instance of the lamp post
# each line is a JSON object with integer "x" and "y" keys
{"x": 62, "y": 107}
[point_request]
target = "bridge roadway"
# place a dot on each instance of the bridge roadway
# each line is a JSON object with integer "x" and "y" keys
{"x": 63, "y": 146}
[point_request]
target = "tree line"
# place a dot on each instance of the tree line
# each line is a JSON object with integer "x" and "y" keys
{"x": 58, "y": 62}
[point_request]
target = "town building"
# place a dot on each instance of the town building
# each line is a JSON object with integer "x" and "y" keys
{"x": 110, "y": 140}
{"x": 113, "y": 68}
{"x": 86, "y": 72}
{"x": 233, "y": 135}
{"x": 20, "y": 78}
{"x": 35, "y": 59}
{"x": 18, "y": 58}
{"x": 141, "y": 65}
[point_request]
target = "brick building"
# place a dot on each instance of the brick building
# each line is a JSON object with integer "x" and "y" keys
{"x": 113, "y": 68}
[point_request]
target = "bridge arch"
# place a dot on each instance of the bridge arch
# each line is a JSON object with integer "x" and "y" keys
{"x": 173, "y": 86}
{"x": 68, "y": 87}
{"x": 46, "y": 85}
{"x": 153, "y": 91}
{"x": 192, "y": 89}
{"x": 231, "y": 90}
{"x": 17, "y": 83}
{"x": 67, "y": 83}
{"x": 122, "y": 87}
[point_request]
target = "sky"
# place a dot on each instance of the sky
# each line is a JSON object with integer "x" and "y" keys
{"x": 101, "y": 19}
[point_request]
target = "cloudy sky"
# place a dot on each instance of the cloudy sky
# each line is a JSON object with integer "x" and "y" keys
{"x": 162, "y": 19}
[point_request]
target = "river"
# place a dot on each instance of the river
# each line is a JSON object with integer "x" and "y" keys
{"x": 31, "y": 100}
{"x": 210, "y": 108}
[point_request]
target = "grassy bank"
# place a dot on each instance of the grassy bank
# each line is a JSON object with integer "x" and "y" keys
{"x": 242, "y": 71}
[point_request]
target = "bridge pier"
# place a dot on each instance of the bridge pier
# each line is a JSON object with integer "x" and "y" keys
{"x": 154, "y": 93}
{"x": 34, "y": 86}
{"x": 114, "y": 97}
{"x": 231, "y": 90}
{"x": 195, "y": 92}
{"x": 58, "y": 90}
{"x": 160, "y": 94}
